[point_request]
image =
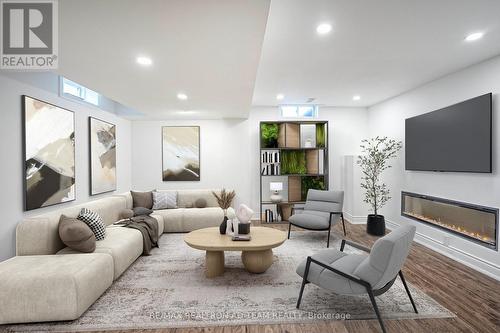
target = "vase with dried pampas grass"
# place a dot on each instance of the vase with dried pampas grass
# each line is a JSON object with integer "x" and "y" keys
{"x": 224, "y": 199}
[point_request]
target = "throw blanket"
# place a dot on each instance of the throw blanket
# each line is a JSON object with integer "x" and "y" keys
{"x": 148, "y": 226}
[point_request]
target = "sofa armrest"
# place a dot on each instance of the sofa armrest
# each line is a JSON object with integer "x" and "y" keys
{"x": 37, "y": 236}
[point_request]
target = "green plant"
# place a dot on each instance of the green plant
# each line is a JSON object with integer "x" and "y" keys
{"x": 307, "y": 183}
{"x": 269, "y": 135}
{"x": 320, "y": 135}
{"x": 293, "y": 162}
{"x": 377, "y": 152}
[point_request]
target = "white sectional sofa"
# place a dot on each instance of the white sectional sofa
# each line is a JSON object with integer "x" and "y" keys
{"x": 47, "y": 281}
{"x": 184, "y": 218}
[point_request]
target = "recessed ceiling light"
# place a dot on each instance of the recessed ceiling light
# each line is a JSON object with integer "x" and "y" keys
{"x": 144, "y": 61}
{"x": 323, "y": 28}
{"x": 474, "y": 36}
{"x": 182, "y": 96}
{"x": 280, "y": 97}
{"x": 356, "y": 98}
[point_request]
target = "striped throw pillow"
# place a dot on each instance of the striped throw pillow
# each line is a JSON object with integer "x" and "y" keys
{"x": 94, "y": 221}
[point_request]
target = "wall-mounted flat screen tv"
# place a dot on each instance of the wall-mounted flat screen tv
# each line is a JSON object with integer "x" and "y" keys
{"x": 456, "y": 138}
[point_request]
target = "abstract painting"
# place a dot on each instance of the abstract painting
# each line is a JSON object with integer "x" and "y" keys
{"x": 102, "y": 156}
{"x": 49, "y": 154}
{"x": 181, "y": 153}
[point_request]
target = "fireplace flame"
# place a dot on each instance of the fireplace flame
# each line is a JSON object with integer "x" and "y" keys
{"x": 460, "y": 229}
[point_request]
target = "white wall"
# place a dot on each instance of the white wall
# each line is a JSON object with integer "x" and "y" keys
{"x": 388, "y": 119}
{"x": 12, "y": 171}
{"x": 230, "y": 150}
{"x": 224, "y": 156}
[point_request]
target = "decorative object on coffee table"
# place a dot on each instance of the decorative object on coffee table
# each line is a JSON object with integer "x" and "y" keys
{"x": 257, "y": 254}
{"x": 276, "y": 187}
{"x": 232, "y": 226}
{"x": 377, "y": 152}
{"x": 244, "y": 228}
{"x": 244, "y": 215}
{"x": 224, "y": 199}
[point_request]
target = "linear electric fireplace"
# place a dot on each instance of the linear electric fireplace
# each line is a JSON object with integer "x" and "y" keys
{"x": 476, "y": 223}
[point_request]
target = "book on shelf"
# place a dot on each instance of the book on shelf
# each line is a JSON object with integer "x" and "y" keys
{"x": 270, "y": 157}
{"x": 270, "y": 170}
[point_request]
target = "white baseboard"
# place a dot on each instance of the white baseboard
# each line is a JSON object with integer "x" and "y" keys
{"x": 355, "y": 219}
{"x": 483, "y": 266}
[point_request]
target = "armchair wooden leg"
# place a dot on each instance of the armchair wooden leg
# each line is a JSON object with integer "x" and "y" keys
{"x": 289, "y": 228}
{"x": 374, "y": 303}
{"x": 304, "y": 281}
{"x": 408, "y": 291}
{"x": 343, "y": 224}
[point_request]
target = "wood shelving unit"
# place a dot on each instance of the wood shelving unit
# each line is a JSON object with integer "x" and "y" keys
{"x": 297, "y": 157}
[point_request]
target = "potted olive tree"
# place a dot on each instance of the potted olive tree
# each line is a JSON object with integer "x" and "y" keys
{"x": 376, "y": 154}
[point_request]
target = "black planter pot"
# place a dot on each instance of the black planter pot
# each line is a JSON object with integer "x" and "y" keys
{"x": 375, "y": 225}
{"x": 223, "y": 226}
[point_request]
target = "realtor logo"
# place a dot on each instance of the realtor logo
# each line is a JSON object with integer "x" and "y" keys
{"x": 29, "y": 34}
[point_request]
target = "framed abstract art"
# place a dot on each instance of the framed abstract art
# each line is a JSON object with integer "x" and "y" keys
{"x": 102, "y": 137}
{"x": 49, "y": 154}
{"x": 181, "y": 153}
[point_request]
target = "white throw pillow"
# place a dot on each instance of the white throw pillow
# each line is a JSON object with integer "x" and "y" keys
{"x": 164, "y": 199}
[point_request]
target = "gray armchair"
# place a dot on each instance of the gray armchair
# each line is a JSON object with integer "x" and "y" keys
{"x": 322, "y": 210}
{"x": 354, "y": 274}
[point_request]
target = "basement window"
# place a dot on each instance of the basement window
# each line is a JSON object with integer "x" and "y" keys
{"x": 75, "y": 91}
{"x": 299, "y": 111}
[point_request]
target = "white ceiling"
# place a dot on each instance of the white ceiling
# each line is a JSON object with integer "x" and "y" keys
{"x": 210, "y": 50}
{"x": 206, "y": 49}
{"x": 377, "y": 49}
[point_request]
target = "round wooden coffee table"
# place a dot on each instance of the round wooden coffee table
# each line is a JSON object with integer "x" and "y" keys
{"x": 256, "y": 254}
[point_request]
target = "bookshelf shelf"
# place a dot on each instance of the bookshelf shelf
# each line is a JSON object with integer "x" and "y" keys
{"x": 294, "y": 153}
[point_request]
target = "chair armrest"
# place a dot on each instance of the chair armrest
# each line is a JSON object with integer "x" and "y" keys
{"x": 336, "y": 213}
{"x": 353, "y": 244}
{"x": 296, "y": 208}
{"x": 336, "y": 271}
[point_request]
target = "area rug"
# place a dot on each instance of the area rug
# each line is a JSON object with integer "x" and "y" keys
{"x": 169, "y": 289}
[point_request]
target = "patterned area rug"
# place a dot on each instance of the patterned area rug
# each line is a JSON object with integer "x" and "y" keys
{"x": 169, "y": 289}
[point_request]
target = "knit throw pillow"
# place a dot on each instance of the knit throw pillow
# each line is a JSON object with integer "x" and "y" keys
{"x": 94, "y": 221}
{"x": 164, "y": 199}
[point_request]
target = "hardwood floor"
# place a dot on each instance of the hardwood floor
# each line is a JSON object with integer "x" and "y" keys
{"x": 472, "y": 296}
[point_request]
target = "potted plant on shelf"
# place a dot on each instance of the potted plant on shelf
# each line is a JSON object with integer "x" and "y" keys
{"x": 269, "y": 133}
{"x": 377, "y": 153}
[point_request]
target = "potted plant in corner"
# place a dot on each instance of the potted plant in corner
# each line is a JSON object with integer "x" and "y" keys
{"x": 377, "y": 153}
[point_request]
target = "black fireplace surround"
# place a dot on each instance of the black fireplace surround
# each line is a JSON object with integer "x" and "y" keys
{"x": 473, "y": 222}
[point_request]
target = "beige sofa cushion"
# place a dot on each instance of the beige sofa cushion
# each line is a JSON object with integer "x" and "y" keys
{"x": 189, "y": 219}
{"x": 158, "y": 218}
{"x": 123, "y": 244}
{"x": 52, "y": 287}
{"x": 172, "y": 219}
{"x": 39, "y": 234}
{"x": 187, "y": 198}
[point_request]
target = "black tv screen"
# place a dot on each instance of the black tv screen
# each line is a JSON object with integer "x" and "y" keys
{"x": 456, "y": 138}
